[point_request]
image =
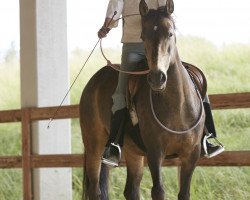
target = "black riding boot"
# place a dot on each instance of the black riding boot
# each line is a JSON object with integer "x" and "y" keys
{"x": 210, "y": 149}
{"x": 112, "y": 152}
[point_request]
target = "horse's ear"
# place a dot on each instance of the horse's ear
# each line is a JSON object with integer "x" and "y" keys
{"x": 169, "y": 7}
{"x": 143, "y": 7}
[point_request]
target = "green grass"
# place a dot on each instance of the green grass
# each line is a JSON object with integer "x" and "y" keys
{"x": 208, "y": 183}
{"x": 11, "y": 184}
{"x": 227, "y": 70}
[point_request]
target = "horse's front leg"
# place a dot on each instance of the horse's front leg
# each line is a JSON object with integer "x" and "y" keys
{"x": 154, "y": 163}
{"x": 187, "y": 168}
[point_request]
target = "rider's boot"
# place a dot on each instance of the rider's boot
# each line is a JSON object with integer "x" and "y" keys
{"x": 112, "y": 152}
{"x": 210, "y": 148}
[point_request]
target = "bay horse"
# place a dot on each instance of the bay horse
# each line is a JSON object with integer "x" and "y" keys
{"x": 169, "y": 109}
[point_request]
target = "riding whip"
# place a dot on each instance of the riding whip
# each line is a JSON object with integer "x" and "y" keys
{"x": 52, "y": 118}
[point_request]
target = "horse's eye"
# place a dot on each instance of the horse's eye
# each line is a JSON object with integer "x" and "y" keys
{"x": 170, "y": 34}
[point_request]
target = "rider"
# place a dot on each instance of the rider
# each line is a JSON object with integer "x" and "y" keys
{"x": 133, "y": 52}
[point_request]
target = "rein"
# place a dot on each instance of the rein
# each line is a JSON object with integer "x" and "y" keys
{"x": 116, "y": 67}
{"x": 174, "y": 131}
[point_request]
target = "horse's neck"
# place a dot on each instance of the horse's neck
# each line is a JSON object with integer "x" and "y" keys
{"x": 180, "y": 91}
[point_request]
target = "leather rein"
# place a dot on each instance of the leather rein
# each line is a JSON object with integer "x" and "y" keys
{"x": 171, "y": 130}
{"x": 115, "y": 66}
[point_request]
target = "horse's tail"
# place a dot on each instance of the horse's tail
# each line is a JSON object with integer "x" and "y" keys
{"x": 104, "y": 178}
{"x": 85, "y": 183}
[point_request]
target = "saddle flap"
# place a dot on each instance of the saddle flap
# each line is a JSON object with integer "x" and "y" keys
{"x": 133, "y": 87}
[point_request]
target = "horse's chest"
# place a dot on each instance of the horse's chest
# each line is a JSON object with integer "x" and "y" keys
{"x": 170, "y": 143}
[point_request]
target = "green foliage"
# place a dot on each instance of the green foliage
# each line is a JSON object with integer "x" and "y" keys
{"x": 227, "y": 69}
{"x": 10, "y": 184}
{"x": 96, "y": 61}
{"x": 10, "y": 86}
{"x": 10, "y": 139}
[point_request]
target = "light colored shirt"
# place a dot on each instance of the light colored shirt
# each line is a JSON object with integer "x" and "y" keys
{"x": 131, "y": 24}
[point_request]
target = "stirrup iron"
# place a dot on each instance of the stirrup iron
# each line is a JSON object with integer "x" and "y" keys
{"x": 110, "y": 162}
{"x": 220, "y": 150}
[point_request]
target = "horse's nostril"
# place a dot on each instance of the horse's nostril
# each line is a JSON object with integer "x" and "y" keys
{"x": 163, "y": 78}
{"x": 156, "y": 78}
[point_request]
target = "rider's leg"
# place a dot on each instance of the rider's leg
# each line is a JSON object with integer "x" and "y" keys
{"x": 112, "y": 152}
{"x": 132, "y": 53}
{"x": 210, "y": 149}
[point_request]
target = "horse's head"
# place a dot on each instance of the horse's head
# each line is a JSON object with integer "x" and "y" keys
{"x": 159, "y": 40}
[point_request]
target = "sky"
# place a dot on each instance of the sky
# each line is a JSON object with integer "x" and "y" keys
{"x": 220, "y": 21}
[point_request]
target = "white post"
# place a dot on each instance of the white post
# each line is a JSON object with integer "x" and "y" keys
{"x": 44, "y": 82}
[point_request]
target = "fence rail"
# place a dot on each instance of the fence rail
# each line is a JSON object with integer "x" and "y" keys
{"x": 218, "y": 101}
{"x": 228, "y": 158}
{"x": 28, "y": 161}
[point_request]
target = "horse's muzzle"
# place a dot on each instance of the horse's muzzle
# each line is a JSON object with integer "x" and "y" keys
{"x": 157, "y": 80}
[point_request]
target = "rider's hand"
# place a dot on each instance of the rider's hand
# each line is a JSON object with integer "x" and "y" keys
{"x": 103, "y": 32}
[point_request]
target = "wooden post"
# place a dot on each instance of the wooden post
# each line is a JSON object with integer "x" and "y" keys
{"x": 26, "y": 154}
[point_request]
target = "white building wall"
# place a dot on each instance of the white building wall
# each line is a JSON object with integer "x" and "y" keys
{"x": 44, "y": 82}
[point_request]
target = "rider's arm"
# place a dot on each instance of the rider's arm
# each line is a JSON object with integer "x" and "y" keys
{"x": 114, "y": 6}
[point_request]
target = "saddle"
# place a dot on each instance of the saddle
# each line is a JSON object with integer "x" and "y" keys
{"x": 197, "y": 77}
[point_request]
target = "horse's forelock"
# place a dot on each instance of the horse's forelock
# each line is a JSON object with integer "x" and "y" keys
{"x": 155, "y": 16}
